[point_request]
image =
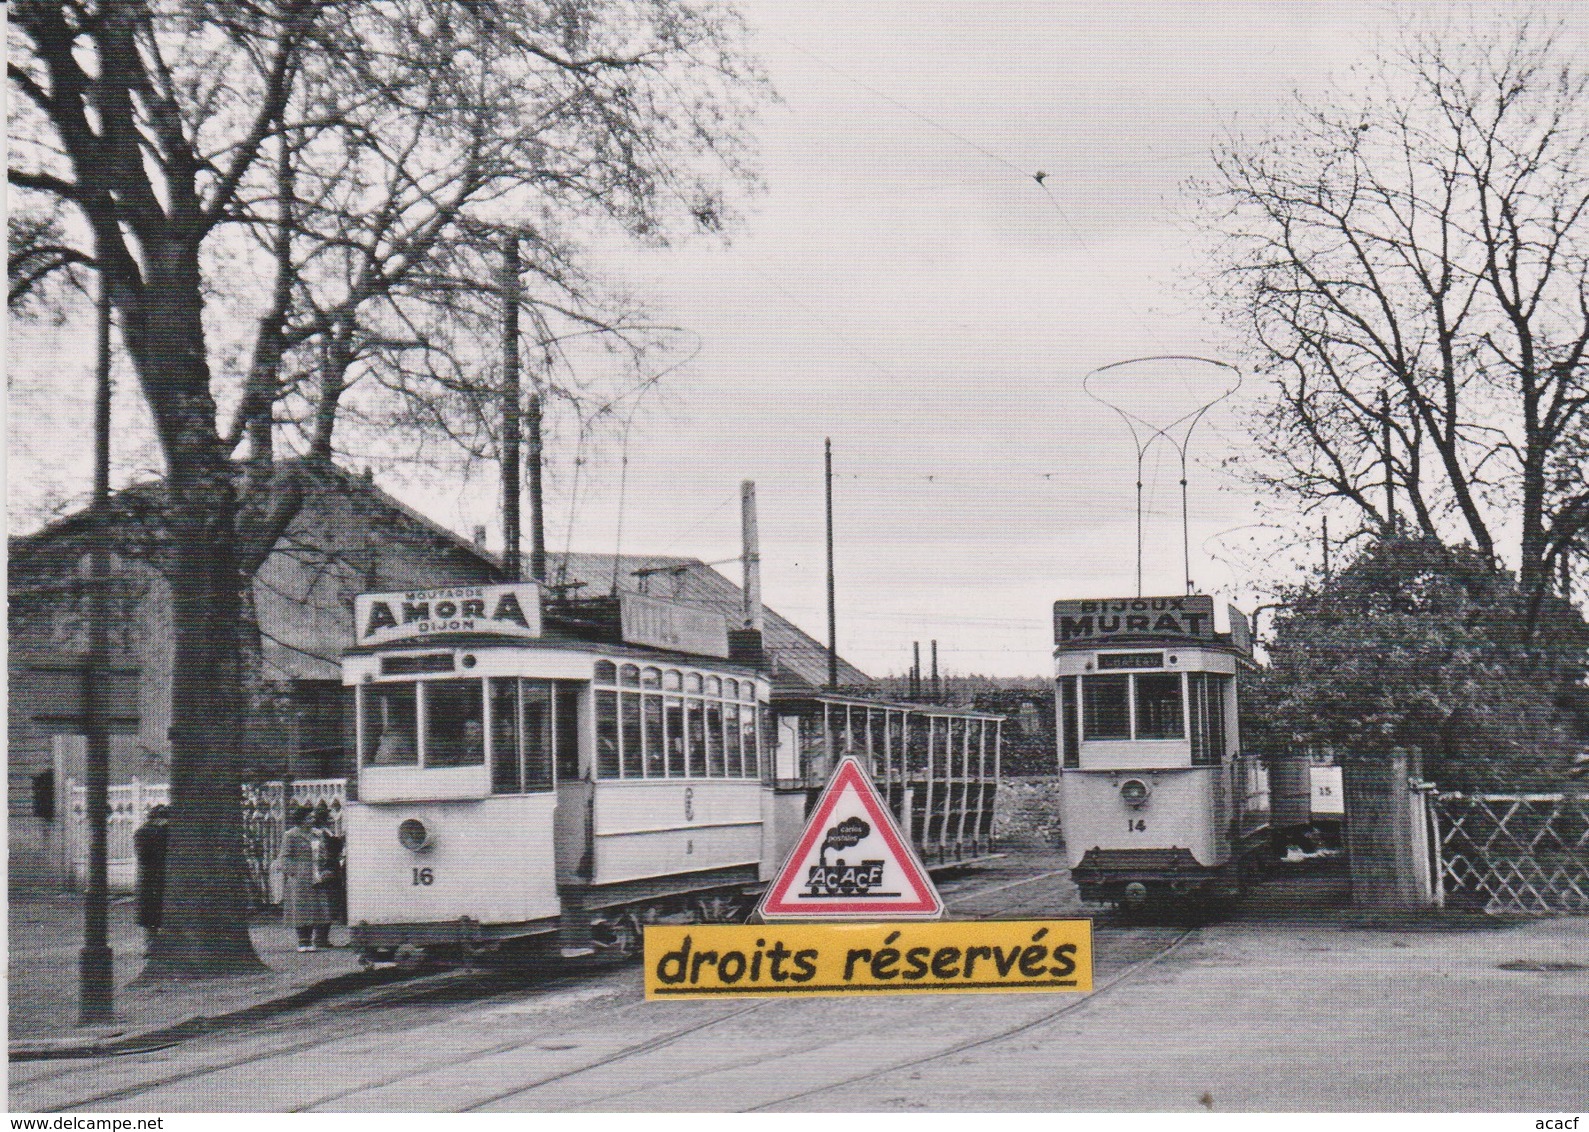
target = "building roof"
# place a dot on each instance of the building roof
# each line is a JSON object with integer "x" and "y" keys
{"x": 351, "y": 536}
{"x": 800, "y": 662}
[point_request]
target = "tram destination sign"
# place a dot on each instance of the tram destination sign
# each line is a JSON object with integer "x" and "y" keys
{"x": 795, "y": 960}
{"x": 1093, "y": 621}
{"x": 510, "y": 610}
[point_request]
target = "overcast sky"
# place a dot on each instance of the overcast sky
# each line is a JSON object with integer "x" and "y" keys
{"x": 905, "y": 286}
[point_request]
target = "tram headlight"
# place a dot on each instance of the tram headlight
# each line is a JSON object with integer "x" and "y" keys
{"x": 1134, "y": 793}
{"x": 413, "y": 835}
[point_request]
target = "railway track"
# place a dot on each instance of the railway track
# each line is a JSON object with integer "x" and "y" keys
{"x": 1017, "y": 894}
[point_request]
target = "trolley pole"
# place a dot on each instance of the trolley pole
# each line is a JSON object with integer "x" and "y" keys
{"x": 833, "y": 632}
{"x": 96, "y": 964}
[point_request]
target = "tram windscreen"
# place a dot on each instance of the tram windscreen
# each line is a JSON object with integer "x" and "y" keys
{"x": 537, "y": 734}
{"x": 391, "y": 725}
{"x": 454, "y": 723}
{"x": 1159, "y": 706}
{"x": 1106, "y": 707}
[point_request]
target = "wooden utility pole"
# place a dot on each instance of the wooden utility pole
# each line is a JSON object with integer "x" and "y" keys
{"x": 511, "y": 425}
{"x": 1326, "y": 543}
{"x": 833, "y": 632}
{"x": 537, "y": 503}
{"x": 96, "y": 965}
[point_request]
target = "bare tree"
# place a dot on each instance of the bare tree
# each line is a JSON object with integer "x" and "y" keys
{"x": 1407, "y": 261}
{"x": 352, "y": 140}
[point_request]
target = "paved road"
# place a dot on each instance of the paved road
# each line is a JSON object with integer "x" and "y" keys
{"x": 1266, "y": 1011}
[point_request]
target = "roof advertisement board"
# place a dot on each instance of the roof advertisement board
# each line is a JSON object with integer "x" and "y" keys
{"x": 1100, "y": 620}
{"x": 510, "y": 610}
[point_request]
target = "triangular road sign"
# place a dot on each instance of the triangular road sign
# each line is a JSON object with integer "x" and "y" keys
{"x": 851, "y": 862}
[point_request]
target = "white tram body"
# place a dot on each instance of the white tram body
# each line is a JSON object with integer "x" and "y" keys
{"x": 1158, "y": 802}
{"x": 519, "y": 779}
{"x": 564, "y": 771}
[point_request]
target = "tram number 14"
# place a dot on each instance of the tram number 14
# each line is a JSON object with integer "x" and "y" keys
{"x": 1134, "y": 825}
{"x": 424, "y": 877}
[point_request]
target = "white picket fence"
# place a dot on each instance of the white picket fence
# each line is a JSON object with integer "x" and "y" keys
{"x": 264, "y": 810}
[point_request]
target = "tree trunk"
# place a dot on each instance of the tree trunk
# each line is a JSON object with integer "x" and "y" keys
{"x": 205, "y": 926}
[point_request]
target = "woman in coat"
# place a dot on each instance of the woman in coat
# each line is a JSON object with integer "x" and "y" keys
{"x": 149, "y": 846}
{"x": 303, "y": 901}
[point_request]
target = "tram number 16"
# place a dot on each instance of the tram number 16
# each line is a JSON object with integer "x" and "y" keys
{"x": 424, "y": 876}
{"x": 1134, "y": 825}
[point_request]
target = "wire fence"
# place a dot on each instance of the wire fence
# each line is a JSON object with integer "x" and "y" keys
{"x": 1515, "y": 852}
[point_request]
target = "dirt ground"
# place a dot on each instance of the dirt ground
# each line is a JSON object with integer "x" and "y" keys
{"x": 1296, "y": 1003}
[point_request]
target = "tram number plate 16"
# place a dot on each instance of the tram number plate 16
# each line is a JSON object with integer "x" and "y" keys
{"x": 423, "y": 877}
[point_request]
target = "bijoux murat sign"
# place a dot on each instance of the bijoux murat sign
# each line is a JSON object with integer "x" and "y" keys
{"x": 1190, "y": 616}
{"x": 510, "y": 610}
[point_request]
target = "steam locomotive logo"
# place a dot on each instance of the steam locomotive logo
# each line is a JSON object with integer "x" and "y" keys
{"x": 841, "y": 878}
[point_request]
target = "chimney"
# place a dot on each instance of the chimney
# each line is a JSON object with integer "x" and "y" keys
{"x": 745, "y": 644}
{"x": 479, "y": 538}
{"x": 937, "y": 685}
{"x": 750, "y": 556}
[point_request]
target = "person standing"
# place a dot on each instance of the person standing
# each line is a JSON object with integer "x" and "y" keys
{"x": 149, "y": 847}
{"x": 303, "y": 902}
{"x": 334, "y": 866}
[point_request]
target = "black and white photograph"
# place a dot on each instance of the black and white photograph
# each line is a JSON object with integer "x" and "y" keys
{"x": 696, "y": 557}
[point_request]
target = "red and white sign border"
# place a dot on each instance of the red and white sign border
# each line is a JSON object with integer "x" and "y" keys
{"x": 775, "y": 904}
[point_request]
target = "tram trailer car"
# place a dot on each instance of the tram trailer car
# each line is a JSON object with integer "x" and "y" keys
{"x": 1158, "y": 803}
{"x": 557, "y": 773}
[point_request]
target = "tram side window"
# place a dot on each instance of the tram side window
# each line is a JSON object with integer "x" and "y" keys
{"x": 1070, "y": 736}
{"x": 537, "y": 708}
{"x": 606, "y": 734}
{"x": 454, "y": 723}
{"x": 750, "y": 736}
{"x": 391, "y": 725}
{"x": 1207, "y": 694}
{"x": 735, "y": 757}
{"x": 715, "y": 763}
{"x": 506, "y": 769}
{"x": 1106, "y": 707}
{"x": 695, "y": 738}
{"x": 1159, "y": 706}
{"x": 567, "y": 730}
{"x": 629, "y": 713}
{"x": 916, "y": 746}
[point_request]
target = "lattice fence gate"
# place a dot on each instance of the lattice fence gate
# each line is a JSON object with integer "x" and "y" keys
{"x": 1515, "y": 852}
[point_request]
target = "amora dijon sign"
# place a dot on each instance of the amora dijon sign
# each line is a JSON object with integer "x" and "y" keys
{"x": 509, "y": 610}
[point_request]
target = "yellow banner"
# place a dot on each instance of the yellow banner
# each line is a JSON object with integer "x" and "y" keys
{"x": 776, "y": 960}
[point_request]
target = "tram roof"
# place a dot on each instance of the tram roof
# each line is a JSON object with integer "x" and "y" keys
{"x": 800, "y": 662}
